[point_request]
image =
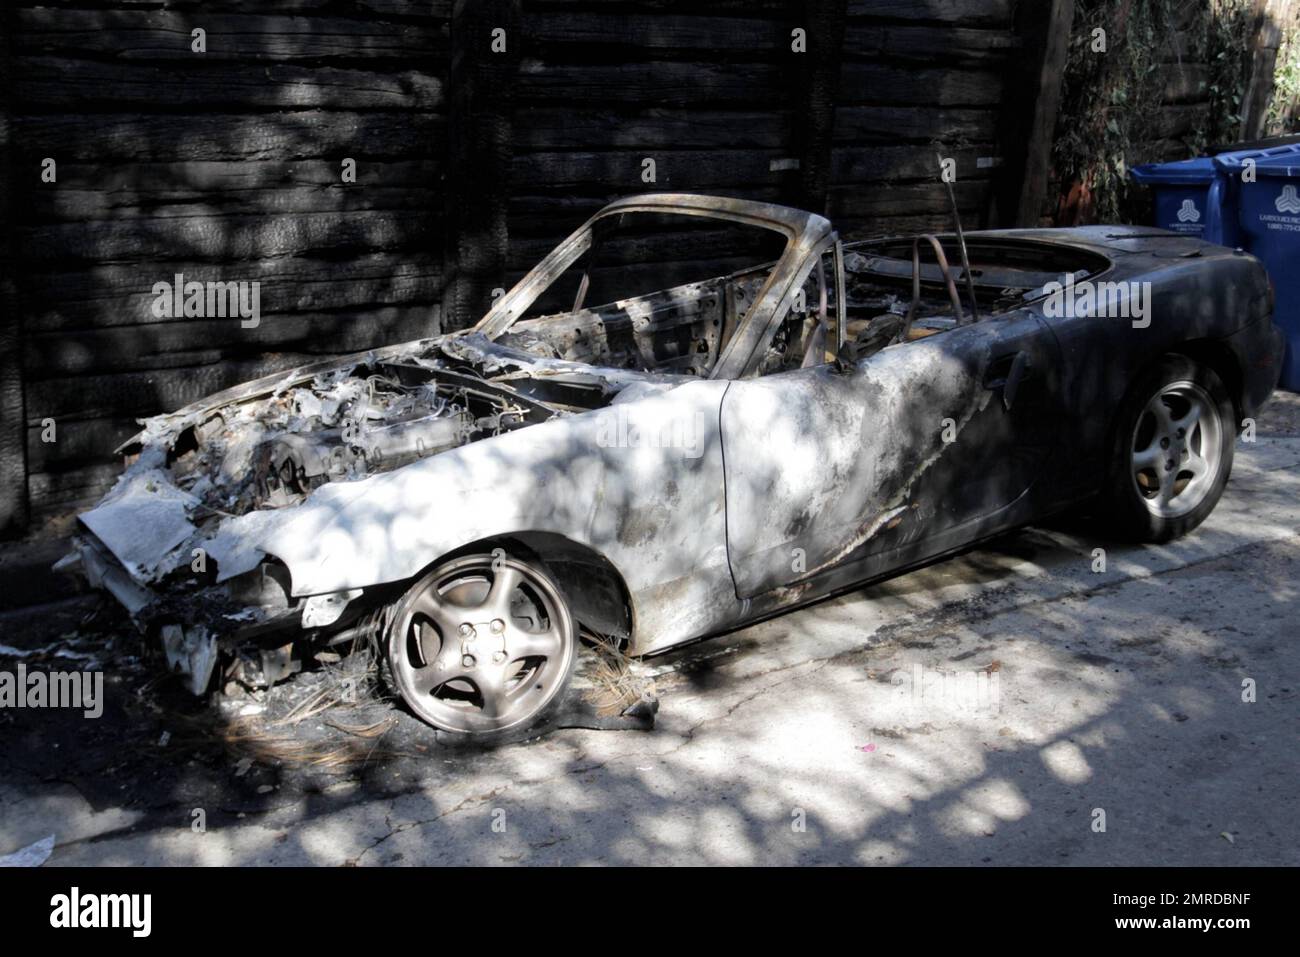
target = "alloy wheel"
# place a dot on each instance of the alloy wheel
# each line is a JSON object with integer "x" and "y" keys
{"x": 481, "y": 644}
{"x": 1175, "y": 453}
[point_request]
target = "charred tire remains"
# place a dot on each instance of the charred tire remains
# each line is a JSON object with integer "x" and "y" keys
{"x": 1172, "y": 454}
{"x": 483, "y": 645}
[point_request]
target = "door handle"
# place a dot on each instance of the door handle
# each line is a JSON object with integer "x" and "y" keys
{"x": 1008, "y": 373}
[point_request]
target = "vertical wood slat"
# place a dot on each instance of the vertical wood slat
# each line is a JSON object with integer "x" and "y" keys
{"x": 827, "y": 20}
{"x": 1029, "y": 110}
{"x": 478, "y": 182}
{"x": 1272, "y": 18}
{"x": 13, "y": 456}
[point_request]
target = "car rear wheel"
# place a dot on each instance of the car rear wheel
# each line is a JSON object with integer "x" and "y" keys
{"x": 1172, "y": 452}
{"x": 483, "y": 646}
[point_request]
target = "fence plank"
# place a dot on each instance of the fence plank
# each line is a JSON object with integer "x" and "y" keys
{"x": 225, "y": 238}
{"x": 216, "y": 136}
{"x": 52, "y": 82}
{"x": 184, "y": 342}
{"x": 154, "y": 35}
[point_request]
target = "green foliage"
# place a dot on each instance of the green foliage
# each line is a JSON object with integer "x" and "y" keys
{"x": 1285, "y": 102}
{"x": 1111, "y": 100}
{"x": 1108, "y": 96}
{"x": 1226, "y": 29}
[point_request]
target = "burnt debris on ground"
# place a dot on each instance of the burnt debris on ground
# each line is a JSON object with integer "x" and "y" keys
{"x": 157, "y": 749}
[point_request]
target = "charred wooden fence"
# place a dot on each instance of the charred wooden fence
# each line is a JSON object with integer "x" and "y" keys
{"x": 135, "y": 149}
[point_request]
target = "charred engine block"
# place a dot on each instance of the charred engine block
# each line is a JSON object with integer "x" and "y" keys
{"x": 291, "y": 464}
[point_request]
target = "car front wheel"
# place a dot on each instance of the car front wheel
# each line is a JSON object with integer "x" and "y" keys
{"x": 1172, "y": 452}
{"x": 483, "y": 647}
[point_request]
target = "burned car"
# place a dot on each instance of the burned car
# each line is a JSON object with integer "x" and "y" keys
{"x": 693, "y": 413}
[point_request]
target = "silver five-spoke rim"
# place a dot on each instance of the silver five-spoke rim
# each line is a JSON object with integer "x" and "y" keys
{"x": 481, "y": 645}
{"x": 1176, "y": 449}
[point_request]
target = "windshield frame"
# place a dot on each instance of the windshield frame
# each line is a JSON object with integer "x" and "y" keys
{"x": 804, "y": 232}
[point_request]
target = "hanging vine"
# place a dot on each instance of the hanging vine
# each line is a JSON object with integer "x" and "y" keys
{"x": 1284, "y": 106}
{"x": 1226, "y": 27}
{"x": 1122, "y": 54}
{"x": 1111, "y": 85}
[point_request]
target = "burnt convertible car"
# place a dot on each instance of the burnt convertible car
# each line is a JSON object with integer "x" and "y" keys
{"x": 693, "y": 413}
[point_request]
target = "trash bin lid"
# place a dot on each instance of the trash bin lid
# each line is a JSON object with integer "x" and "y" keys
{"x": 1192, "y": 172}
{"x": 1283, "y": 166}
{"x": 1276, "y": 161}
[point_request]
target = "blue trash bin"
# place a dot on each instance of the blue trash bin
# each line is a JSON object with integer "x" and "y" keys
{"x": 1268, "y": 222}
{"x": 1187, "y": 196}
{"x": 1228, "y": 167}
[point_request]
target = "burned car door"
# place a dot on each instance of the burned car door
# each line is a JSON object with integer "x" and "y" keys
{"x": 913, "y": 451}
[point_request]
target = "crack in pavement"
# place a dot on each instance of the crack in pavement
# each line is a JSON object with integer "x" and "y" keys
{"x": 392, "y": 831}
